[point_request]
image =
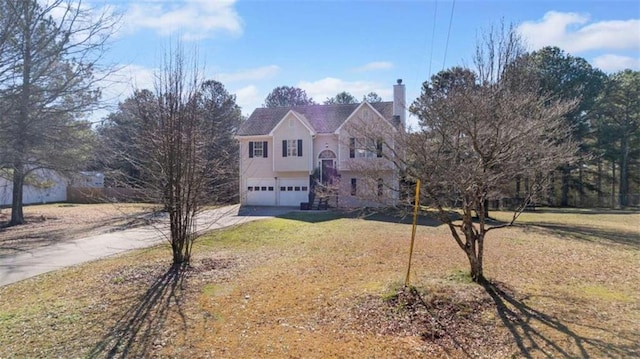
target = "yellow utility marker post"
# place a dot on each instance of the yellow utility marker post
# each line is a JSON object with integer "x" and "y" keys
{"x": 413, "y": 231}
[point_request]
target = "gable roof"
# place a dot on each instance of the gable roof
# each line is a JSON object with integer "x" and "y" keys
{"x": 323, "y": 118}
{"x": 300, "y": 117}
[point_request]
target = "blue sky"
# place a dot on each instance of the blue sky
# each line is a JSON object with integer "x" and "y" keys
{"x": 325, "y": 47}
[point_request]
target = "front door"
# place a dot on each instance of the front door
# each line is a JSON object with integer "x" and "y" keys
{"x": 328, "y": 171}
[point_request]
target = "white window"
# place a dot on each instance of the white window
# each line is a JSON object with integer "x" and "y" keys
{"x": 257, "y": 149}
{"x": 365, "y": 148}
{"x": 292, "y": 148}
{"x": 360, "y": 147}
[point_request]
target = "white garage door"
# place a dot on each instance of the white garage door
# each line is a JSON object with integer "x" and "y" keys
{"x": 261, "y": 192}
{"x": 293, "y": 191}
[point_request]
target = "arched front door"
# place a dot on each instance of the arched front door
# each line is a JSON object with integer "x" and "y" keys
{"x": 327, "y": 165}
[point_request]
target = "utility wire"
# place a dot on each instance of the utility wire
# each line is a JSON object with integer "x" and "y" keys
{"x": 446, "y": 47}
{"x": 433, "y": 36}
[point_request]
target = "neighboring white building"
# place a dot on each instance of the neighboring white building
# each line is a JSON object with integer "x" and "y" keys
{"x": 88, "y": 179}
{"x": 41, "y": 186}
{"x": 348, "y": 146}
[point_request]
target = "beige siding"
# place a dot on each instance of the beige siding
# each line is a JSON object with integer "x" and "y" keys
{"x": 292, "y": 129}
{"x": 256, "y": 167}
{"x": 367, "y": 190}
{"x": 324, "y": 142}
{"x": 365, "y": 124}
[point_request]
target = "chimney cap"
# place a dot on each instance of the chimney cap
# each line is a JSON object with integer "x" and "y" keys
{"x": 399, "y": 81}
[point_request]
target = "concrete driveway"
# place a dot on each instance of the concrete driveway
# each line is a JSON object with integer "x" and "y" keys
{"x": 28, "y": 264}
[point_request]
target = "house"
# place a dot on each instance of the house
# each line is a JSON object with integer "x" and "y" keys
{"x": 88, "y": 179}
{"x": 41, "y": 186}
{"x": 343, "y": 151}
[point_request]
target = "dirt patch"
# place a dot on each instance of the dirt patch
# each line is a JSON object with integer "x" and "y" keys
{"x": 459, "y": 317}
{"x": 431, "y": 316}
{"x": 48, "y": 224}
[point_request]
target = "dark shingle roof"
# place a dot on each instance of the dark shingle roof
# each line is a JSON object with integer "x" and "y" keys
{"x": 323, "y": 118}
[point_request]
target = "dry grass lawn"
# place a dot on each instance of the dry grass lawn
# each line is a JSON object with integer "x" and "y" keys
{"x": 565, "y": 284}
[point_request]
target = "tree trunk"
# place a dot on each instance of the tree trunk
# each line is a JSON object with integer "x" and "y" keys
{"x": 551, "y": 194}
{"x": 624, "y": 173}
{"x": 178, "y": 256}
{"x": 613, "y": 184}
{"x": 564, "y": 200}
{"x": 180, "y": 240}
{"x": 580, "y": 185}
{"x": 17, "y": 215}
{"x": 486, "y": 208}
{"x": 475, "y": 263}
{"x": 599, "y": 184}
{"x": 474, "y": 250}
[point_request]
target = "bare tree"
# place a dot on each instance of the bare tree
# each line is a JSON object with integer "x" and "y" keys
{"x": 49, "y": 60}
{"x": 176, "y": 167}
{"x": 163, "y": 146}
{"x": 479, "y": 133}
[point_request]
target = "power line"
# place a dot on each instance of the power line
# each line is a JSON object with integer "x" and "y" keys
{"x": 433, "y": 36}
{"x": 446, "y": 47}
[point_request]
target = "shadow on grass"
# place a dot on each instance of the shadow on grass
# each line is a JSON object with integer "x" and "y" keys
{"x": 588, "y": 234}
{"x": 597, "y": 211}
{"x": 384, "y": 215}
{"x": 392, "y": 215}
{"x": 312, "y": 216}
{"x": 139, "y": 328}
{"x": 537, "y": 334}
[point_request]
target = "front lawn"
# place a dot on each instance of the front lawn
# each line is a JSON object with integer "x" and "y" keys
{"x": 566, "y": 284}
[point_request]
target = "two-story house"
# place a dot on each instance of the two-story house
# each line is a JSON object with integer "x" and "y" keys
{"x": 286, "y": 152}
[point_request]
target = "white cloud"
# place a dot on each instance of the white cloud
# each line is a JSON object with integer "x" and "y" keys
{"x": 374, "y": 66}
{"x": 119, "y": 85}
{"x": 193, "y": 19}
{"x": 328, "y": 87}
{"x": 248, "y": 98}
{"x": 572, "y": 33}
{"x": 125, "y": 80}
{"x": 613, "y": 63}
{"x": 258, "y": 73}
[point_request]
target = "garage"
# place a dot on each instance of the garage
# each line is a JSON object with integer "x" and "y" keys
{"x": 261, "y": 192}
{"x": 293, "y": 191}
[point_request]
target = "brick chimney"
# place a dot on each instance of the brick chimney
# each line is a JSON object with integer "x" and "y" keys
{"x": 400, "y": 103}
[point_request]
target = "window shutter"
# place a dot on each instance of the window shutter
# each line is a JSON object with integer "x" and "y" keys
{"x": 284, "y": 148}
{"x": 352, "y": 147}
{"x": 250, "y": 149}
{"x": 264, "y": 149}
{"x": 299, "y": 148}
{"x": 379, "y": 148}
